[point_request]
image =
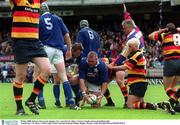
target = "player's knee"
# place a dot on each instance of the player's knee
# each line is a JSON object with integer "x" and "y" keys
{"x": 130, "y": 105}
{"x": 21, "y": 77}
{"x": 47, "y": 71}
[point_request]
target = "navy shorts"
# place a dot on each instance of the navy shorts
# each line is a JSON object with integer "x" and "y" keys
{"x": 171, "y": 67}
{"x": 25, "y": 50}
{"x": 138, "y": 89}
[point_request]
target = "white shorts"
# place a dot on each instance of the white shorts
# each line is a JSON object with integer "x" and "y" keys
{"x": 4, "y": 73}
{"x": 93, "y": 88}
{"x": 55, "y": 57}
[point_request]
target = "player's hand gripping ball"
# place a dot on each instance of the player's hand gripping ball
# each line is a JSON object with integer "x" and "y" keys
{"x": 92, "y": 99}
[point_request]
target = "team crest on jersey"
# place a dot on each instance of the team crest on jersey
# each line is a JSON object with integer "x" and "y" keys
{"x": 95, "y": 70}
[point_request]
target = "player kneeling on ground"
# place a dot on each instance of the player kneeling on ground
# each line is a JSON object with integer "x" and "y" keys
{"x": 93, "y": 75}
{"x": 136, "y": 77}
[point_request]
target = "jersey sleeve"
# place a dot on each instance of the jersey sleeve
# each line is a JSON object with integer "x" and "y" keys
{"x": 104, "y": 72}
{"x": 127, "y": 15}
{"x": 158, "y": 36}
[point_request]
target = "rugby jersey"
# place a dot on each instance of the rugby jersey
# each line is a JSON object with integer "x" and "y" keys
{"x": 89, "y": 39}
{"x": 136, "y": 68}
{"x": 170, "y": 44}
{"x": 25, "y": 24}
{"x": 135, "y": 33}
{"x": 96, "y": 75}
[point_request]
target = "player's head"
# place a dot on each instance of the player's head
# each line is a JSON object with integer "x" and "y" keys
{"x": 44, "y": 8}
{"x": 133, "y": 44}
{"x": 77, "y": 48}
{"x": 128, "y": 25}
{"x": 92, "y": 58}
{"x": 84, "y": 23}
{"x": 171, "y": 27}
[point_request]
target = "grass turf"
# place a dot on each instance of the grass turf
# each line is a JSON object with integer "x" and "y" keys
{"x": 155, "y": 93}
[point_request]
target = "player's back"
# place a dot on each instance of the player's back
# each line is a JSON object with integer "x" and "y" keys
{"x": 89, "y": 39}
{"x": 52, "y": 30}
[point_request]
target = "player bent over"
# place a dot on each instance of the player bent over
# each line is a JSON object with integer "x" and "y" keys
{"x": 93, "y": 76}
{"x": 136, "y": 77}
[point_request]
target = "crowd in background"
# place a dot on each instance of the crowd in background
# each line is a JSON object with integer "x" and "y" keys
{"x": 112, "y": 41}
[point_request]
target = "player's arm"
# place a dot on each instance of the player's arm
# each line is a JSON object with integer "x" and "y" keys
{"x": 127, "y": 15}
{"x": 104, "y": 77}
{"x": 121, "y": 67}
{"x": 156, "y": 35}
{"x": 103, "y": 90}
{"x": 67, "y": 38}
{"x": 68, "y": 43}
{"x": 83, "y": 86}
{"x": 82, "y": 76}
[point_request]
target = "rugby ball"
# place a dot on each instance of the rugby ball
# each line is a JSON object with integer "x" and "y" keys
{"x": 93, "y": 98}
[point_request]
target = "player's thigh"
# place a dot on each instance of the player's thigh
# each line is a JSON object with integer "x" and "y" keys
{"x": 50, "y": 52}
{"x": 36, "y": 72}
{"x": 43, "y": 64}
{"x": 120, "y": 77}
{"x": 21, "y": 72}
{"x": 168, "y": 82}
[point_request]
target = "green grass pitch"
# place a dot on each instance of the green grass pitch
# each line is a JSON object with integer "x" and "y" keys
{"x": 155, "y": 93}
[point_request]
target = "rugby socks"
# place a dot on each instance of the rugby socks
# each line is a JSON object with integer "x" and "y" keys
{"x": 56, "y": 92}
{"x": 124, "y": 90}
{"x": 68, "y": 93}
{"x": 76, "y": 90}
{"x": 172, "y": 95}
{"x": 143, "y": 105}
{"x": 18, "y": 91}
{"x": 41, "y": 98}
{"x": 38, "y": 85}
{"x": 108, "y": 97}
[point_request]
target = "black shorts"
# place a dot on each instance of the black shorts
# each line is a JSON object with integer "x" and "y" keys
{"x": 25, "y": 50}
{"x": 171, "y": 67}
{"x": 138, "y": 89}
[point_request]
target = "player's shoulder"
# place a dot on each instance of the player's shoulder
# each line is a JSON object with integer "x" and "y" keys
{"x": 102, "y": 63}
{"x": 83, "y": 60}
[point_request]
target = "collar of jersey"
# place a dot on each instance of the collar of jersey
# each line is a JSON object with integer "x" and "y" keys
{"x": 131, "y": 33}
{"x": 45, "y": 13}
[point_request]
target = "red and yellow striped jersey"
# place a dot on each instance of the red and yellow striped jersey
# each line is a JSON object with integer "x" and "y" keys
{"x": 25, "y": 24}
{"x": 171, "y": 44}
{"x": 136, "y": 68}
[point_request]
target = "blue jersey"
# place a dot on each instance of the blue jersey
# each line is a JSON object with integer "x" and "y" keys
{"x": 89, "y": 39}
{"x": 96, "y": 75}
{"x": 78, "y": 59}
{"x": 52, "y": 30}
